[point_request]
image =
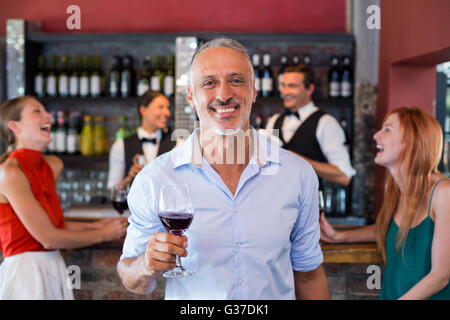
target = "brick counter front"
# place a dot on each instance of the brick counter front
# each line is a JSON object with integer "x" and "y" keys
{"x": 99, "y": 277}
{"x": 345, "y": 265}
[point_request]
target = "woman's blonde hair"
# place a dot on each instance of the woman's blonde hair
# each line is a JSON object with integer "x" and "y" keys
{"x": 10, "y": 110}
{"x": 422, "y": 137}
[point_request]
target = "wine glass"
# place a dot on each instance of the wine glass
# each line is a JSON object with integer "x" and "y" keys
{"x": 119, "y": 198}
{"x": 176, "y": 212}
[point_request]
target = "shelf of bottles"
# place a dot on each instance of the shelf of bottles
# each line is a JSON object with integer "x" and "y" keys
{"x": 73, "y": 85}
{"x": 337, "y": 100}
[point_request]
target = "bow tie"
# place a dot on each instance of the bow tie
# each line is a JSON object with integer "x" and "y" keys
{"x": 290, "y": 113}
{"x": 143, "y": 140}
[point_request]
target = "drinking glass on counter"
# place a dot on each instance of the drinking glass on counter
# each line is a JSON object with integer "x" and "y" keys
{"x": 119, "y": 198}
{"x": 176, "y": 212}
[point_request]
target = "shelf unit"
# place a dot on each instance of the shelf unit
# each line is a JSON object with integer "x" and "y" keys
{"x": 319, "y": 46}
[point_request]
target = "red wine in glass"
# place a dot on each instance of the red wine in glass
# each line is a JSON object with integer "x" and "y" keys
{"x": 120, "y": 206}
{"x": 175, "y": 210}
{"x": 176, "y": 222}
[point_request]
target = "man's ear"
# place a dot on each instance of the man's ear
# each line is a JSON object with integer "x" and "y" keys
{"x": 190, "y": 97}
{"x": 311, "y": 89}
{"x": 142, "y": 110}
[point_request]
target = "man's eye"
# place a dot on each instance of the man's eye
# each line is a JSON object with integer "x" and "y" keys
{"x": 207, "y": 83}
{"x": 237, "y": 81}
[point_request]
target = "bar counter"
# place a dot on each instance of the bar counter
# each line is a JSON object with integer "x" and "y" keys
{"x": 346, "y": 266}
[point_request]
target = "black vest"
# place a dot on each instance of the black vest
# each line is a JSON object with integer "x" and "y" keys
{"x": 133, "y": 146}
{"x": 304, "y": 141}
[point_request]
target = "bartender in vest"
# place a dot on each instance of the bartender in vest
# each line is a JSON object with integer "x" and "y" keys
{"x": 308, "y": 131}
{"x": 128, "y": 156}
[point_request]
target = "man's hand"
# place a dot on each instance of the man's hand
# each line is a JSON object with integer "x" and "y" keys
{"x": 162, "y": 251}
{"x": 135, "y": 168}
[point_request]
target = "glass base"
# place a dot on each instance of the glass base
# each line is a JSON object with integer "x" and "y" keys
{"x": 178, "y": 272}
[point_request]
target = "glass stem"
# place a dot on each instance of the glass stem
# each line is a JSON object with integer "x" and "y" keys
{"x": 179, "y": 266}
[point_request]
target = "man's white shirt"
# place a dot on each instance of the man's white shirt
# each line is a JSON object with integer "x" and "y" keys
{"x": 329, "y": 134}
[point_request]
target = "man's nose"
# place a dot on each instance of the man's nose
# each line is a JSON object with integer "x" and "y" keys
{"x": 223, "y": 92}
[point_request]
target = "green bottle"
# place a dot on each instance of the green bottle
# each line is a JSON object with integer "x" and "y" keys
{"x": 39, "y": 78}
{"x": 123, "y": 130}
{"x": 63, "y": 79}
{"x": 74, "y": 79}
{"x": 52, "y": 77}
{"x": 84, "y": 77}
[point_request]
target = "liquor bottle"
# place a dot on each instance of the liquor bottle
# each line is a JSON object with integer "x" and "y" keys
{"x": 143, "y": 83}
{"x": 344, "y": 125}
{"x": 95, "y": 85}
{"x": 87, "y": 137}
{"x": 295, "y": 60}
{"x": 307, "y": 60}
{"x": 123, "y": 130}
{"x": 100, "y": 136}
{"x": 126, "y": 77}
{"x": 52, "y": 76}
{"x": 39, "y": 78}
{"x": 334, "y": 78}
{"x": 156, "y": 79}
{"x": 169, "y": 79}
{"x": 84, "y": 77}
{"x": 74, "y": 78}
{"x": 63, "y": 79}
{"x": 347, "y": 78}
{"x": 61, "y": 133}
{"x": 72, "y": 134}
{"x": 267, "y": 79}
{"x": 283, "y": 65}
{"x": 114, "y": 77}
{"x": 258, "y": 74}
{"x": 52, "y": 145}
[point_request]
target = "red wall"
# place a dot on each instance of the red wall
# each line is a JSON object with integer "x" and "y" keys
{"x": 414, "y": 37}
{"x": 182, "y": 15}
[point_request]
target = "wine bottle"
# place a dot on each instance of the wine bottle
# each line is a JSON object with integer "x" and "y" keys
{"x": 51, "y": 80}
{"x": 39, "y": 78}
{"x": 126, "y": 77}
{"x": 52, "y": 145}
{"x": 84, "y": 77}
{"x": 155, "y": 80}
{"x": 143, "y": 84}
{"x": 114, "y": 77}
{"x": 334, "y": 78}
{"x": 307, "y": 60}
{"x": 94, "y": 78}
{"x": 258, "y": 74}
{"x": 61, "y": 133}
{"x": 283, "y": 65}
{"x": 71, "y": 137}
{"x": 74, "y": 79}
{"x": 267, "y": 80}
{"x": 169, "y": 79}
{"x": 347, "y": 77}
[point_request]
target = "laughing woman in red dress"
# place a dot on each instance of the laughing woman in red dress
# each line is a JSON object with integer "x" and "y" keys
{"x": 32, "y": 226}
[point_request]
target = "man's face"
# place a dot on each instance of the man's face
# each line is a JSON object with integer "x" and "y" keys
{"x": 222, "y": 90}
{"x": 156, "y": 114}
{"x": 295, "y": 95}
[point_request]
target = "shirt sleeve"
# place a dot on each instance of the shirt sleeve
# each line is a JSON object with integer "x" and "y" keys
{"x": 116, "y": 170}
{"x": 306, "y": 253}
{"x": 144, "y": 220}
{"x": 331, "y": 138}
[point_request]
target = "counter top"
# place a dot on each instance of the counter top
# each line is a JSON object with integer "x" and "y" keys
{"x": 351, "y": 253}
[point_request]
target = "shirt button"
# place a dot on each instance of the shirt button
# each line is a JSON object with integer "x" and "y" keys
{"x": 241, "y": 281}
{"x": 235, "y": 209}
{"x": 238, "y": 245}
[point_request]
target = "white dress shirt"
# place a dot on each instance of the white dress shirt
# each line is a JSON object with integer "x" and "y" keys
{"x": 117, "y": 155}
{"x": 329, "y": 134}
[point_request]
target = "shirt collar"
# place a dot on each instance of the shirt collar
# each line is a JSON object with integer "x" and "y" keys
{"x": 265, "y": 150}
{"x": 306, "y": 110}
{"x": 141, "y": 133}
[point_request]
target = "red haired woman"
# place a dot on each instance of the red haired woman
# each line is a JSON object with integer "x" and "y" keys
{"x": 412, "y": 226}
{"x": 32, "y": 226}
